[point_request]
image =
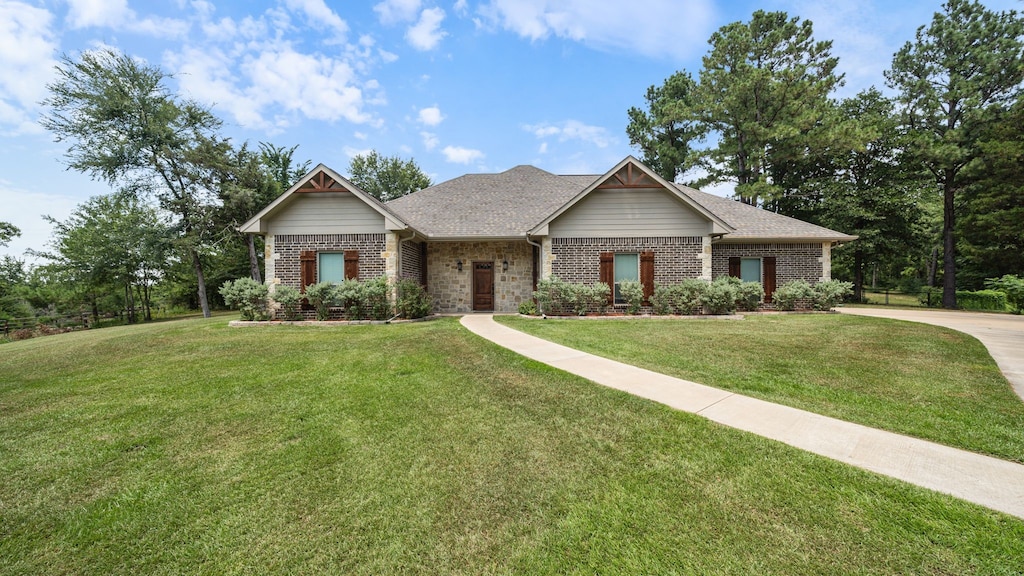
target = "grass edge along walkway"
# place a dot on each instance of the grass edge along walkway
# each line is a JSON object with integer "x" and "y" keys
{"x": 984, "y": 480}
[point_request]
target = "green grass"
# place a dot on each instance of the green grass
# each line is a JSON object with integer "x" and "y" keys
{"x": 189, "y": 447}
{"x": 911, "y": 378}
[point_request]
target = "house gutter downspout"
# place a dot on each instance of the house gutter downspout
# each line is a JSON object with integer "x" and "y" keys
{"x": 540, "y": 264}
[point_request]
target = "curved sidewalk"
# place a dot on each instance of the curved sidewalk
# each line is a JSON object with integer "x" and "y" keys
{"x": 991, "y": 482}
{"x": 1002, "y": 334}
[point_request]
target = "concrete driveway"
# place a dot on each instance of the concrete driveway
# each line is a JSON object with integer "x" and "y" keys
{"x": 1002, "y": 334}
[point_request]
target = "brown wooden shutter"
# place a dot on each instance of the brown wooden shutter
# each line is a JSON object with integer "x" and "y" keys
{"x": 647, "y": 275}
{"x": 351, "y": 264}
{"x": 768, "y": 274}
{"x": 607, "y": 273}
{"x": 307, "y": 269}
{"x": 734, "y": 266}
{"x": 307, "y": 274}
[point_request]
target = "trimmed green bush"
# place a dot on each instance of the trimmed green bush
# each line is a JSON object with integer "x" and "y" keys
{"x": 322, "y": 296}
{"x": 413, "y": 301}
{"x": 786, "y": 296}
{"x": 826, "y": 295}
{"x": 528, "y": 308}
{"x": 749, "y": 296}
{"x": 720, "y": 296}
{"x": 633, "y": 294}
{"x": 550, "y": 296}
{"x": 557, "y": 297}
{"x": 1013, "y": 287}
{"x": 981, "y": 300}
{"x": 249, "y": 296}
{"x": 290, "y": 300}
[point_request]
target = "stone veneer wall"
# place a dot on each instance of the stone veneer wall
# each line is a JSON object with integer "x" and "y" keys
{"x": 411, "y": 265}
{"x": 793, "y": 261}
{"x": 287, "y": 247}
{"x": 451, "y": 290}
{"x": 578, "y": 260}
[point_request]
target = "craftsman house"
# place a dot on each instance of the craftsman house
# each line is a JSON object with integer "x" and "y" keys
{"x": 481, "y": 241}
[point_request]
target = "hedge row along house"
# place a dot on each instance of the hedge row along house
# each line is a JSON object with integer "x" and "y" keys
{"x": 480, "y": 242}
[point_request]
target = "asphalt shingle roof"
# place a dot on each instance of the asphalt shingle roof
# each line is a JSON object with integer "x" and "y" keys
{"x": 508, "y": 204}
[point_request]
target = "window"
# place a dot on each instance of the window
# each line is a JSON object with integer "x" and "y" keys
{"x": 750, "y": 269}
{"x": 627, "y": 269}
{"x": 331, "y": 266}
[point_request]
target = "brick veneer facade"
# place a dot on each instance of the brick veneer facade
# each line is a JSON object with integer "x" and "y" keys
{"x": 411, "y": 260}
{"x": 577, "y": 260}
{"x": 793, "y": 261}
{"x": 287, "y": 248}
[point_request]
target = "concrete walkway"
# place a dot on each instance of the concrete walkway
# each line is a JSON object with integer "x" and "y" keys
{"x": 987, "y": 481}
{"x": 1002, "y": 334}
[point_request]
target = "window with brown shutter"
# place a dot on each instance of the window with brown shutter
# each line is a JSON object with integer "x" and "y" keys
{"x": 647, "y": 275}
{"x": 351, "y": 264}
{"x": 607, "y": 273}
{"x": 768, "y": 275}
{"x": 734, "y": 266}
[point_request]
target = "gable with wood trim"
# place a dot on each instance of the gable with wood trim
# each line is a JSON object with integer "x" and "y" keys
{"x": 481, "y": 242}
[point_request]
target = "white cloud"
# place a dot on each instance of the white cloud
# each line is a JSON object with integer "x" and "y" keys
{"x": 427, "y": 33}
{"x": 359, "y": 135}
{"x": 318, "y": 14}
{"x": 460, "y": 7}
{"x": 353, "y": 152}
{"x": 32, "y": 205}
{"x": 430, "y": 140}
{"x": 117, "y": 15}
{"x": 386, "y": 56}
{"x": 460, "y": 155}
{"x": 543, "y": 148}
{"x": 652, "y": 27}
{"x": 395, "y": 11}
{"x": 431, "y": 116}
{"x": 572, "y": 130}
{"x": 27, "y": 46}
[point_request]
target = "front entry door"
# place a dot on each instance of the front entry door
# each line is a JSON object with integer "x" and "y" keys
{"x": 483, "y": 285}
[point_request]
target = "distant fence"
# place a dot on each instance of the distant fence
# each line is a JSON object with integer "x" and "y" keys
{"x": 66, "y": 321}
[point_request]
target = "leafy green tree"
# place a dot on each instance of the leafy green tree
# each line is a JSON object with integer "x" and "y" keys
{"x": 763, "y": 82}
{"x": 953, "y": 79}
{"x": 8, "y": 232}
{"x": 124, "y": 126}
{"x": 386, "y": 177}
{"x": 281, "y": 163}
{"x": 665, "y": 131}
{"x": 110, "y": 244}
{"x": 990, "y": 233}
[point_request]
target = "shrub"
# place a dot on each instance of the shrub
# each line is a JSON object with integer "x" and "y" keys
{"x": 661, "y": 300}
{"x": 528, "y": 308}
{"x": 633, "y": 294}
{"x": 377, "y": 299}
{"x": 688, "y": 296}
{"x": 827, "y": 294}
{"x": 321, "y": 296}
{"x": 931, "y": 297}
{"x": 576, "y": 298}
{"x": 597, "y": 297}
{"x": 786, "y": 296}
{"x": 720, "y": 296}
{"x": 290, "y": 299}
{"x": 549, "y": 295}
{"x": 981, "y": 300}
{"x": 413, "y": 301}
{"x": 749, "y": 296}
{"x": 249, "y": 296}
{"x": 1013, "y": 287}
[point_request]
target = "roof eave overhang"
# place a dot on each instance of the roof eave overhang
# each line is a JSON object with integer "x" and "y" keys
{"x": 730, "y": 239}
{"x": 470, "y": 238}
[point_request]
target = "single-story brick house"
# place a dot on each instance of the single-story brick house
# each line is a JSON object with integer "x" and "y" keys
{"x": 481, "y": 241}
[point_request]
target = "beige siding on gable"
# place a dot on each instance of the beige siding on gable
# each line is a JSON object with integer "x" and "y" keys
{"x": 630, "y": 212}
{"x": 326, "y": 213}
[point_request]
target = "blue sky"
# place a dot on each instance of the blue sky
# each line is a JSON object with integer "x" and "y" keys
{"x": 460, "y": 86}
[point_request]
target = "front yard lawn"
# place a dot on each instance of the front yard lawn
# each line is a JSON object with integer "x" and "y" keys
{"x": 189, "y": 447}
{"x": 924, "y": 381}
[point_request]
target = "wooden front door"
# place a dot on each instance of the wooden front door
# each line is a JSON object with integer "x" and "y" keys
{"x": 483, "y": 285}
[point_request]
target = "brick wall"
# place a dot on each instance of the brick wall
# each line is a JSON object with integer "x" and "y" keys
{"x": 577, "y": 260}
{"x": 287, "y": 248}
{"x": 793, "y": 261}
{"x": 411, "y": 265}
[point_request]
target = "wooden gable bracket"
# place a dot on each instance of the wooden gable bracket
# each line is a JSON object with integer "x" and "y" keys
{"x": 627, "y": 177}
{"x": 321, "y": 182}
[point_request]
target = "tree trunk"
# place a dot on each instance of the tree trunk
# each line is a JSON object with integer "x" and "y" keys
{"x": 949, "y": 245}
{"x": 858, "y": 275}
{"x": 204, "y": 303}
{"x": 933, "y": 267}
{"x": 254, "y": 263}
